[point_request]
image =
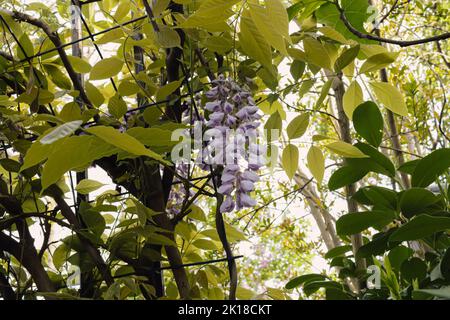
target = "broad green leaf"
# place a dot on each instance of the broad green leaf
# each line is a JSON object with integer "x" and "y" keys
{"x": 4, "y": 101}
{"x": 61, "y": 131}
{"x": 167, "y": 90}
{"x": 443, "y": 292}
{"x": 338, "y": 251}
{"x": 416, "y": 200}
{"x": 58, "y": 77}
{"x": 297, "y": 69}
{"x": 347, "y": 57}
{"x": 69, "y": 154}
{"x": 381, "y": 163}
{"x": 430, "y": 168}
{"x": 79, "y": 65}
{"x": 289, "y": 160}
{"x": 353, "y": 97}
{"x": 279, "y": 17}
{"x": 298, "y": 126}
{"x": 303, "y": 279}
{"x": 333, "y": 34}
{"x": 353, "y": 223}
{"x": 70, "y": 112}
{"x": 210, "y": 12}
{"x": 390, "y": 97}
{"x": 117, "y": 106}
{"x": 323, "y": 94}
{"x": 356, "y": 12}
{"x": 87, "y": 186}
{"x": 253, "y": 42}
{"x": 345, "y": 176}
{"x": 168, "y": 38}
{"x": 419, "y": 227}
{"x": 25, "y": 50}
{"x": 205, "y": 244}
{"x": 378, "y": 61}
{"x": 368, "y": 122}
{"x": 94, "y": 94}
{"x": 345, "y": 149}
{"x": 413, "y": 269}
{"x": 316, "y": 163}
{"x": 128, "y": 88}
{"x": 316, "y": 53}
{"x": 106, "y": 68}
{"x": 124, "y": 141}
{"x": 262, "y": 18}
{"x": 274, "y": 123}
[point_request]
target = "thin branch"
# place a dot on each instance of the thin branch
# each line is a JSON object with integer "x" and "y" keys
{"x": 400, "y": 43}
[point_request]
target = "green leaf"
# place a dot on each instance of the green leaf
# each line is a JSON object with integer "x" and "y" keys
{"x": 298, "y": 126}
{"x": 58, "y": 77}
{"x": 409, "y": 167}
{"x": 345, "y": 149}
{"x": 353, "y": 97}
{"x": 347, "y": 57}
{"x": 209, "y": 13}
{"x": 297, "y": 69}
{"x": 124, "y": 141}
{"x": 398, "y": 255}
{"x": 117, "y": 106}
{"x": 168, "y": 89}
{"x": 87, "y": 186}
{"x": 128, "y": 88}
{"x": 356, "y": 222}
{"x": 368, "y": 122}
{"x": 415, "y": 201}
{"x": 419, "y": 227}
{"x": 430, "y": 168}
{"x": 345, "y": 176}
{"x": 253, "y": 42}
{"x": 316, "y": 53}
{"x": 443, "y": 292}
{"x": 390, "y": 97}
{"x": 94, "y": 94}
{"x": 67, "y": 154}
{"x": 356, "y": 12}
{"x": 316, "y": 163}
{"x": 298, "y": 281}
{"x": 79, "y": 65}
{"x": 381, "y": 163}
{"x": 168, "y": 38}
{"x": 205, "y": 244}
{"x": 289, "y": 160}
{"x": 106, "y": 68}
{"x": 273, "y": 123}
{"x": 378, "y": 61}
{"x": 61, "y": 131}
{"x": 413, "y": 268}
{"x": 25, "y": 49}
{"x": 323, "y": 94}
{"x": 269, "y": 28}
{"x": 338, "y": 251}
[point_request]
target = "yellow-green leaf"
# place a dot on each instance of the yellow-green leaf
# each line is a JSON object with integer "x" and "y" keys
{"x": 124, "y": 141}
{"x": 353, "y": 97}
{"x": 390, "y": 97}
{"x": 87, "y": 186}
{"x": 253, "y": 42}
{"x": 316, "y": 163}
{"x": 289, "y": 160}
{"x": 106, "y": 68}
{"x": 316, "y": 53}
{"x": 79, "y": 65}
{"x": 168, "y": 89}
{"x": 346, "y": 150}
{"x": 378, "y": 61}
{"x": 298, "y": 126}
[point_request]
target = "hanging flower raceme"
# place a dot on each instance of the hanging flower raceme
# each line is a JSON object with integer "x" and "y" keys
{"x": 234, "y": 114}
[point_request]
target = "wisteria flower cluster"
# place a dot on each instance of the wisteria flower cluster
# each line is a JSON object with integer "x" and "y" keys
{"x": 234, "y": 113}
